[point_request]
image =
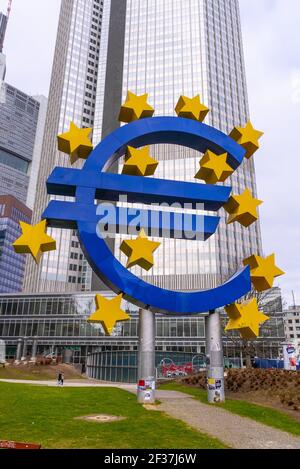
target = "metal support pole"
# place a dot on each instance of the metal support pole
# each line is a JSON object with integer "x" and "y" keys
{"x": 214, "y": 357}
{"x": 34, "y": 350}
{"x": 146, "y": 358}
{"x": 19, "y": 351}
{"x": 24, "y": 352}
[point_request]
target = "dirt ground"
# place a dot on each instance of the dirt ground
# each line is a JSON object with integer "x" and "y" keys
{"x": 263, "y": 398}
{"x": 39, "y": 372}
{"x": 279, "y": 389}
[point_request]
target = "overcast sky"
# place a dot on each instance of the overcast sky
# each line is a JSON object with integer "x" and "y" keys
{"x": 271, "y": 45}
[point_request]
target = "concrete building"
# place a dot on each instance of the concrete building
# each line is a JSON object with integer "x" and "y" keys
{"x": 12, "y": 265}
{"x": 292, "y": 326}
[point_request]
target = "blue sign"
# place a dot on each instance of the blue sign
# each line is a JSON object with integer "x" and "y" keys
{"x": 93, "y": 182}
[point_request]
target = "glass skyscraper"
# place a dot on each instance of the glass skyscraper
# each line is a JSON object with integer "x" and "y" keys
{"x": 21, "y": 129}
{"x": 19, "y": 114}
{"x": 165, "y": 48}
{"x": 188, "y": 47}
{"x": 72, "y": 97}
{"x": 12, "y": 265}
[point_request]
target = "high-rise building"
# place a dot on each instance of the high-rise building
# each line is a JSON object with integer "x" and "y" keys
{"x": 19, "y": 118}
{"x": 3, "y": 25}
{"x": 166, "y": 49}
{"x": 12, "y": 265}
{"x": 22, "y": 120}
{"x": 37, "y": 150}
{"x": 19, "y": 115}
{"x": 72, "y": 97}
{"x": 292, "y": 326}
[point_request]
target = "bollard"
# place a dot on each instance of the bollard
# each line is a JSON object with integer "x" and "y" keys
{"x": 146, "y": 358}
{"x": 214, "y": 357}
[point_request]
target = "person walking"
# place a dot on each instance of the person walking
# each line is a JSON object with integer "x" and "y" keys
{"x": 62, "y": 379}
{"x": 59, "y": 378}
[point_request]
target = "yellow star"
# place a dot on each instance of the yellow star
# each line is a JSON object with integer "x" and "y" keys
{"x": 75, "y": 143}
{"x": 34, "y": 240}
{"x": 247, "y": 137}
{"x": 138, "y": 162}
{"x": 191, "y": 108}
{"x": 108, "y": 312}
{"x": 214, "y": 168}
{"x": 246, "y": 318}
{"x": 140, "y": 251}
{"x": 242, "y": 208}
{"x": 263, "y": 271}
{"x": 135, "y": 107}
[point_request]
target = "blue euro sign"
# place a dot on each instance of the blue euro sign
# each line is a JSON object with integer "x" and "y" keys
{"x": 93, "y": 182}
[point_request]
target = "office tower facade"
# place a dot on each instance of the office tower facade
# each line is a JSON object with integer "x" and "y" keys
{"x": 71, "y": 98}
{"x": 21, "y": 129}
{"x": 166, "y": 49}
{"x": 3, "y": 24}
{"x": 37, "y": 158}
{"x": 12, "y": 265}
{"x": 292, "y": 326}
{"x": 175, "y": 48}
{"x": 59, "y": 322}
{"x": 19, "y": 115}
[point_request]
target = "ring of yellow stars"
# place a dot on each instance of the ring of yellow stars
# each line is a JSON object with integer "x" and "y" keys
{"x": 135, "y": 107}
{"x": 138, "y": 162}
{"x": 34, "y": 240}
{"x": 139, "y": 251}
{"x": 75, "y": 143}
{"x": 214, "y": 168}
{"x": 108, "y": 313}
{"x": 242, "y": 208}
{"x": 263, "y": 270}
{"x": 191, "y": 108}
{"x": 247, "y": 137}
{"x": 246, "y": 318}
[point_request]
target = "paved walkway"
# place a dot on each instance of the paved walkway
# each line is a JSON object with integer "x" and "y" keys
{"x": 233, "y": 430}
{"x": 70, "y": 383}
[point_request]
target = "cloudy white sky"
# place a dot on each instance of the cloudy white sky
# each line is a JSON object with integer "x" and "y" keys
{"x": 271, "y": 44}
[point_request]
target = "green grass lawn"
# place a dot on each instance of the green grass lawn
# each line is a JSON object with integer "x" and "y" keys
{"x": 266, "y": 415}
{"x": 46, "y": 416}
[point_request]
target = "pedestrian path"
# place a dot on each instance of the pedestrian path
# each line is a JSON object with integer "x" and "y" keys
{"x": 73, "y": 383}
{"x": 233, "y": 430}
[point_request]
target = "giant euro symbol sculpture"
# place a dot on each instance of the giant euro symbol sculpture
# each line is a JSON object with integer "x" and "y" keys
{"x": 94, "y": 182}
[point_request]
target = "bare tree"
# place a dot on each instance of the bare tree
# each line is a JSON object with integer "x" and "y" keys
{"x": 248, "y": 348}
